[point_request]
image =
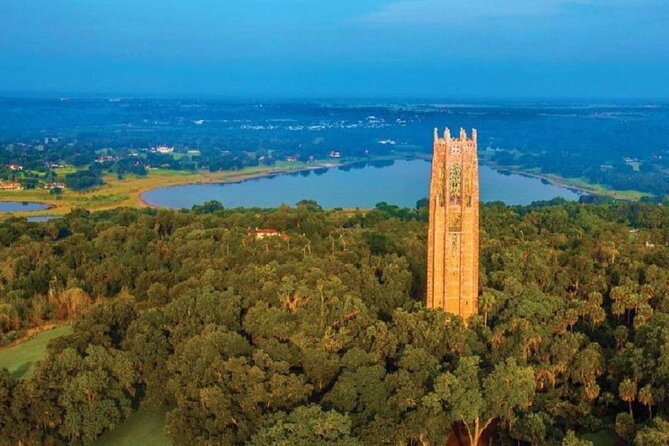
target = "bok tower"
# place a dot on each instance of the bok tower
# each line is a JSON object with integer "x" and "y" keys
{"x": 453, "y": 238}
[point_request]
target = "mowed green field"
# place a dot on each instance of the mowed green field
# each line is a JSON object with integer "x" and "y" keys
{"x": 144, "y": 427}
{"x": 605, "y": 437}
{"x": 20, "y": 359}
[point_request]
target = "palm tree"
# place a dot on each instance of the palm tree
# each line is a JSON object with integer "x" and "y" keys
{"x": 646, "y": 398}
{"x": 627, "y": 392}
{"x": 487, "y": 303}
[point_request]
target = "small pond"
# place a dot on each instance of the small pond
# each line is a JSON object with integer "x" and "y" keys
{"x": 22, "y": 206}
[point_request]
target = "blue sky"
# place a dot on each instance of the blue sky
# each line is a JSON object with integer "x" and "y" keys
{"x": 345, "y": 48}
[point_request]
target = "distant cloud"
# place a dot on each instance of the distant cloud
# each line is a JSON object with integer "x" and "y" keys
{"x": 454, "y": 11}
{"x": 449, "y": 11}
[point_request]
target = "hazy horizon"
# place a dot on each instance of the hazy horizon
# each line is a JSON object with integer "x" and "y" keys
{"x": 430, "y": 49}
{"x": 445, "y": 101}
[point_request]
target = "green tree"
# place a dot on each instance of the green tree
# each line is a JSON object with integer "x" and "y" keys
{"x": 475, "y": 399}
{"x": 8, "y": 422}
{"x": 646, "y": 398}
{"x": 656, "y": 434}
{"x": 487, "y": 303}
{"x": 529, "y": 428}
{"x": 9, "y": 318}
{"x": 625, "y": 426}
{"x": 149, "y": 344}
{"x": 78, "y": 395}
{"x": 405, "y": 416}
{"x": 359, "y": 390}
{"x": 572, "y": 440}
{"x": 627, "y": 392}
{"x": 224, "y": 390}
{"x": 99, "y": 396}
{"x": 306, "y": 426}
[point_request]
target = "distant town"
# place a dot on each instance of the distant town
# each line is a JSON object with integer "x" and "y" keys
{"x": 28, "y": 166}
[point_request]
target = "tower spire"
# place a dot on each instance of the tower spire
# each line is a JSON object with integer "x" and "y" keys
{"x": 453, "y": 238}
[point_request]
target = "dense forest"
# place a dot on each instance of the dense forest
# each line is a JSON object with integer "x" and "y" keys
{"x": 318, "y": 335}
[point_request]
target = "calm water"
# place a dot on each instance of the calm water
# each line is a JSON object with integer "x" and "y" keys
{"x": 21, "y": 206}
{"x": 402, "y": 183}
{"x": 42, "y": 218}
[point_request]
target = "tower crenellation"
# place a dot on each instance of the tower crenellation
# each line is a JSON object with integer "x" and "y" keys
{"x": 462, "y": 137}
{"x": 460, "y": 144}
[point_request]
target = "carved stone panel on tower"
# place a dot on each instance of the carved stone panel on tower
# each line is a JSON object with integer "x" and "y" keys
{"x": 455, "y": 183}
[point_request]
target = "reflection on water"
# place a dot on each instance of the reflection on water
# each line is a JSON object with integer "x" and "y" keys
{"x": 21, "y": 206}
{"x": 399, "y": 182}
{"x": 42, "y": 218}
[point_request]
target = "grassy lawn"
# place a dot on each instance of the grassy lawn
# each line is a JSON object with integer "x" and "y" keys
{"x": 577, "y": 183}
{"x": 62, "y": 171}
{"x": 144, "y": 427}
{"x": 602, "y": 438}
{"x": 20, "y": 359}
{"x": 599, "y": 189}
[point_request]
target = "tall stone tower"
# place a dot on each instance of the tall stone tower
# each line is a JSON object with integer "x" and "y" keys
{"x": 453, "y": 239}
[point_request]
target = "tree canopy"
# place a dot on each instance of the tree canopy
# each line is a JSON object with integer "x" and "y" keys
{"x": 320, "y": 336}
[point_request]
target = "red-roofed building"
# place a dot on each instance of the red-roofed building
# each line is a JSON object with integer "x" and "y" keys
{"x": 10, "y": 186}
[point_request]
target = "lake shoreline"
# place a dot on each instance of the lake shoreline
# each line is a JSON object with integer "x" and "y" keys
{"x": 244, "y": 177}
{"x": 405, "y": 181}
{"x": 551, "y": 180}
{"x": 556, "y": 180}
{"x": 235, "y": 179}
{"x": 130, "y": 191}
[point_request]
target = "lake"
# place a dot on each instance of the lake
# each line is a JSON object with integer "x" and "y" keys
{"x": 21, "y": 206}
{"x": 358, "y": 186}
{"x": 42, "y": 218}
